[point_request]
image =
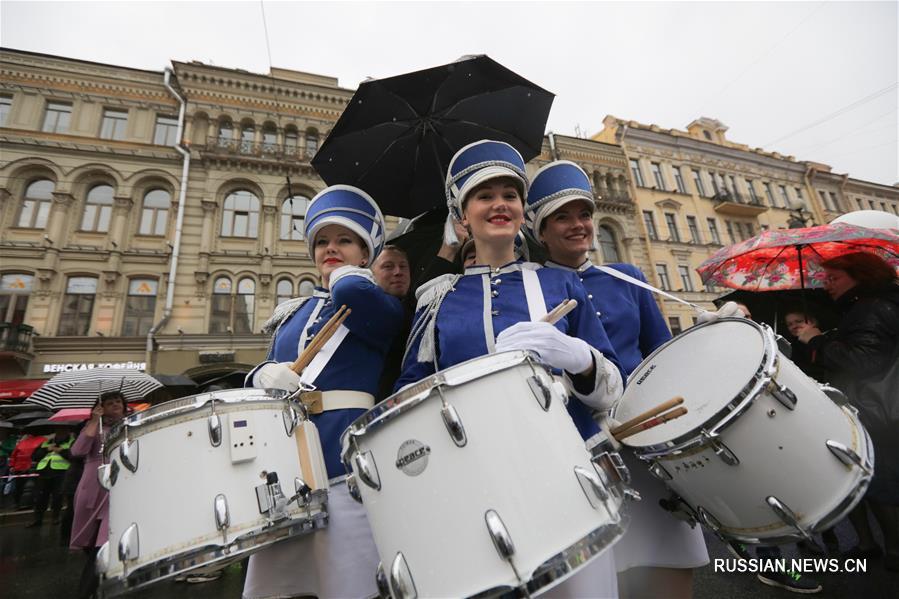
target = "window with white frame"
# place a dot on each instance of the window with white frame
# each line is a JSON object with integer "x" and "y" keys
{"x": 5, "y": 108}
{"x": 36, "y": 204}
{"x": 656, "y": 169}
{"x": 140, "y": 307}
{"x": 56, "y": 117}
{"x": 77, "y": 306}
{"x": 685, "y": 280}
{"x": 155, "y": 212}
{"x": 283, "y": 291}
{"x": 293, "y": 213}
{"x": 678, "y": 179}
{"x": 114, "y": 123}
{"x": 240, "y": 214}
{"x": 637, "y": 174}
{"x": 306, "y": 288}
{"x": 697, "y": 181}
{"x": 671, "y": 221}
{"x": 166, "y": 132}
{"x": 607, "y": 244}
{"x": 98, "y": 209}
{"x": 15, "y": 289}
{"x": 662, "y": 272}
{"x": 693, "y": 227}
{"x": 650, "y": 221}
{"x": 713, "y": 230}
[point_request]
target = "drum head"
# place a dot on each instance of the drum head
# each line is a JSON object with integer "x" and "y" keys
{"x": 708, "y": 366}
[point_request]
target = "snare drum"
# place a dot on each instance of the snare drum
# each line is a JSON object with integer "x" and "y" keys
{"x": 206, "y": 480}
{"x": 763, "y": 453}
{"x": 476, "y": 481}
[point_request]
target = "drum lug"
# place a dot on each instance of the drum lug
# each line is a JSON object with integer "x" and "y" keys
{"x": 835, "y": 395}
{"x": 381, "y": 581}
{"x": 454, "y": 425}
{"x": 365, "y": 467}
{"x": 783, "y": 394}
{"x": 301, "y": 491}
{"x": 353, "y": 488}
{"x": 847, "y": 456}
{"x": 401, "y": 584}
{"x": 709, "y": 521}
{"x": 788, "y": 517}
{"x": 291, "y": 418}
{"x": 721, "y": 450}
{"x": 214, "y": 424}
{"x": 541, "y": 391}
{"x": 129, "y": 544}
{"x": 108, "y": 474}
{"x": 222, "y": 515}
{"x": 102, "y": 562}
{"x": 592, "y": 487}
{"x": 658, "y": 471}
{"x": 129, "y": 454}
{"x": 679, "y": 509}
{"x": 502, "y": 540}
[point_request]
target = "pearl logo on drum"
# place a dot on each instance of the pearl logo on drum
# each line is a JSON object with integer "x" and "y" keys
{"x": 412, "y": 457}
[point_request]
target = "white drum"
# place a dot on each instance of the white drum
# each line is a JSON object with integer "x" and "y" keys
{"x": 763, "y": 454}
{"x": 476, "y": 482}
{"x": 206, "y": 480}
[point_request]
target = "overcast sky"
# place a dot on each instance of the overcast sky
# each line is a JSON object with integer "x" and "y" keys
{"x": 817, "y": 80}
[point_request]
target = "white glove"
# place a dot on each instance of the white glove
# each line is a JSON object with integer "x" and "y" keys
{"x": 276, "y": 375}
{"x": 728, "y": 310}
{"x": 554, "y": 347}
{"x": 606, "y": 424}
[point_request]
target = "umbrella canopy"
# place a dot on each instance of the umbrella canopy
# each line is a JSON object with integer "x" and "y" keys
{"x": 6, "y": 425}
{"x": 770, "y": 307}
{"x": 81, "y": 388}
{"x": 397, "y": 135}
{"x": 71, "y": 415}
{"x": 791, "y": 258}
{"x": 26, "y": 417}
{"x": 46, "y": 426}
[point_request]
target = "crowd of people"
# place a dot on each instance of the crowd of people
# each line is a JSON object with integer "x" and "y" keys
{"x": 479, "y": 296}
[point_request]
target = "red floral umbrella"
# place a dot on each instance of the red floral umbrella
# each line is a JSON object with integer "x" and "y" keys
{"x": 791, "y": 258}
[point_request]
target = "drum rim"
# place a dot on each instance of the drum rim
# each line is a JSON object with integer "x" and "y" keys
{"x": 730, "y": 411}
{"x": 417, "y": 393}
{"x": 186, "y": 405}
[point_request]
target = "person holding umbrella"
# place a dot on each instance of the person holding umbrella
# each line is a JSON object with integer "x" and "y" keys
{"x": 559, "y": 215}
{"x": 486, "y": 188}
{"x": 862, "y": 357}
{"x": 90, "y": 524}
{"x": 345, "y": 231}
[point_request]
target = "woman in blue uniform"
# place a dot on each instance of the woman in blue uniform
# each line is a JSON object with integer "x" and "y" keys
{"x": 345, "y": 232}
{"x": 658, "y": 552}
{"x": 496, "y": 305}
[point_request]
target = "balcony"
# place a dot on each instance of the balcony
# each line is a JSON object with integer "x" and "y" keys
{"x": 734, "y": 204}
{"x": 234, "y": 148}
{"x": 15, "y": 347}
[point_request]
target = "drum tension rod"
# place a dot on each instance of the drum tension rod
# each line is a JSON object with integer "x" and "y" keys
{"x": 452, "y": 421}
{"x": 783, "y": 394}
{"x": 721, "y": 450}
{"x": 847, "y": 456}
{"x": 789, "y": 517}
{"x": 504, "y": 545}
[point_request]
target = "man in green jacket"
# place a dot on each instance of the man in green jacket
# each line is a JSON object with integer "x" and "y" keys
{"x": 52, "y": 462}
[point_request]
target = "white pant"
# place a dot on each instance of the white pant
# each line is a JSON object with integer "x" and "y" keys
{"x": 337, "y": 562}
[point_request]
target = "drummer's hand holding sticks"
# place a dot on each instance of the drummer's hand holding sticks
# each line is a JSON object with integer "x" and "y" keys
{"x": 286, "y": 375}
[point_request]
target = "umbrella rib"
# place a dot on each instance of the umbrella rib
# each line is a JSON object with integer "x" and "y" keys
{"x": 488, "y": 128}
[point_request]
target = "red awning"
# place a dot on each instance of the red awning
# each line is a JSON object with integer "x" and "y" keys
{"x": 18, "y": 389}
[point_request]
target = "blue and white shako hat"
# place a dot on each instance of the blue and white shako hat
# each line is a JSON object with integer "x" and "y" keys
{"x": 554, "y": 185}
{"x": 348, "y": 206}
{"x": 474, "y": 164}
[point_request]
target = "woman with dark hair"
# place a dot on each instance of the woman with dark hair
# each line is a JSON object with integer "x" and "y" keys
{"x": 90, "y": 524}
{"x": 862, "y": 357}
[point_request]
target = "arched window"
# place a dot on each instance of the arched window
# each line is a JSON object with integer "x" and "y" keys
{"x": 77, "y": 306}
{"x": 284, "y": 291}
{"x": 155, "y": 213}
{"x": 291, "y": 141}
{"x": 97, "y": 209}
{"x": 240, "y": 217}
{"x": 220, "y": 308}
{"x": 269, "y": 139}
{"x": 36, "y": 204}
{"x": 293, "y": 211}
{"x": 311, "y": 143}
{"x": 607, "y": 244}
{"x": 226, "y": 133}
{"x": 307, "y": 287}
{"x": 244, "y": 306}
{"x": 247, "y": 135}
{"x": 140, "y": 307}
{"x": 15, "y": 290}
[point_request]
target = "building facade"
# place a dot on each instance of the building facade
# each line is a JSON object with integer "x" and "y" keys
{"x": 696, "y": 191}
{"x": 92, "y": 192}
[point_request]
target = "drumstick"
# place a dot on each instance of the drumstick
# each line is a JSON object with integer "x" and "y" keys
{"x": 554, "y": 315}
{"x": 675, "y": 401}
{"x": 319, "y": 341}
{"x": 651, "y": 423}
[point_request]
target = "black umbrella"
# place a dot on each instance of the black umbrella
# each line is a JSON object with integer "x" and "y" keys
{"x": 396, "y": 137}
{"x": 770, "y": 307}
{"x": 45, "y": 426}
{"x": 26, "y": 417}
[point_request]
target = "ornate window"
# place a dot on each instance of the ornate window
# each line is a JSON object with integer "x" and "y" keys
{"x": 244, "y": 306}
{"x": 14, "y": 292}
{"x": 226, "y": 133}
{"x": 97, "y": 209}
{"x": 291, "y": 141}
{"x": 232, "y": 312}
{"x": 155, "y": 212}
{"x": 77, "y": 306}
{"x": 607, "y": 244}
{"x": 311, "y": 143}
{"x": 240, "y": 217}
{"x": 283, "y": 291}
{"x": 36, "y": 204}
{"x": 307, "y": 287}
{"x": 269, "y": 139}
{"x": 140, "y": 307}
{"x": 247, "y": 137}
{"x": 221, "y": 304}
{"x": 293, "y": 212}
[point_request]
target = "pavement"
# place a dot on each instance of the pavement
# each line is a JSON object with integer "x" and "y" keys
{"x": 33, "y": 564}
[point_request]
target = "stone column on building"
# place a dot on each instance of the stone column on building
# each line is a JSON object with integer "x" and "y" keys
{"x": 188, "y": 129}
{"x": 209, "y": 207}
{"x": 60, "y": 214}
{"x": 599, "y": 182}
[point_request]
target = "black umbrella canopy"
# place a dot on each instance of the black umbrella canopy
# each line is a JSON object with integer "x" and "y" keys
{"x": 25, "y": 417}
{"x": 45, "y": 426}
{"x": 397, "y": 135}
{"x": 770, "y": 307}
